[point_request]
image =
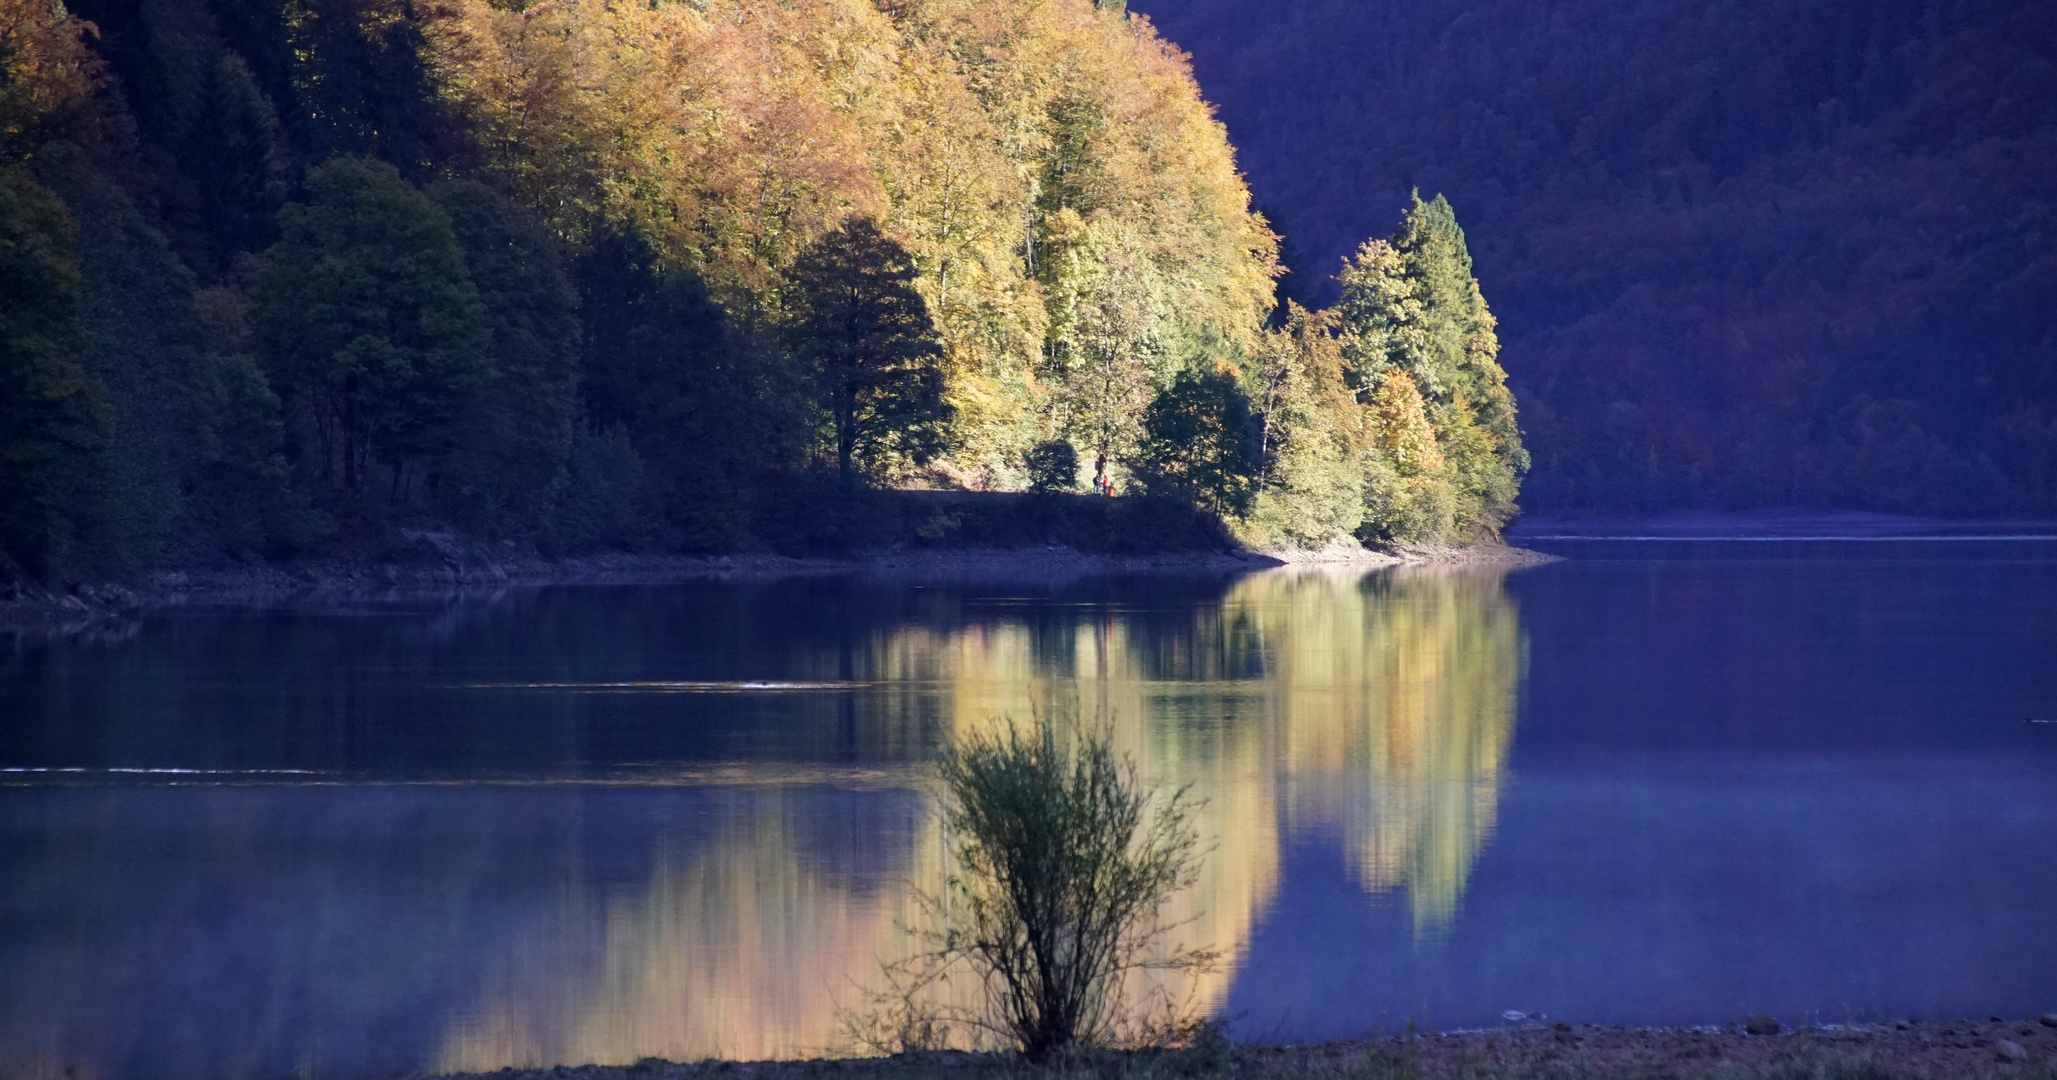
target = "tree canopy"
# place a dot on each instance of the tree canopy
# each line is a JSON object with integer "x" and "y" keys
{"x": 368, "y": 315}
{"x": 1412, "y": 316}
{"x": 867, "y": 344}
{"x": 653, "y": 275}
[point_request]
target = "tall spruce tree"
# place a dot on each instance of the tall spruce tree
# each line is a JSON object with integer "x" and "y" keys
{"x": 244, "y": 182}
{"x": 142, "y": 336}
{"x": 1410, "y": 304}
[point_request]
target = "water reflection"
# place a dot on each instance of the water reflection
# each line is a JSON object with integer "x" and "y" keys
{"x": 366, "y": 842}
{"x": 1377, "y": 708}
{"x": 740, "y": 944}
{"x": 597, "y": 825}
{"x": 1392, "y": 710}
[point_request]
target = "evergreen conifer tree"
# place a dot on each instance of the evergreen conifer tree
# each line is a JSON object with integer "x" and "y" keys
{"x": 140, "y": 330}
{"x": 1410, "y": 304}
{"x": 243, "y": 184}
{"x": 864, "y": 337}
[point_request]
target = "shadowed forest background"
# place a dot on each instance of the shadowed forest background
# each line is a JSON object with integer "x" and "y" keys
{"x": 1743, "y": 254}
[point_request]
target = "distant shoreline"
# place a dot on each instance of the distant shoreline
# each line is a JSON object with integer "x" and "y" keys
{"x": 1788, "y": 523}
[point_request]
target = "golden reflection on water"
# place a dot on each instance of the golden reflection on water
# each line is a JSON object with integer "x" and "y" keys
{"x": 1375, "y": 707}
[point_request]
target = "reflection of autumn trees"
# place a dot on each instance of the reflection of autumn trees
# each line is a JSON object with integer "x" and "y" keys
{"x": 1379, "y": 706}
{"x": 1390, "y": 713}
{"x": 736, "y": 948}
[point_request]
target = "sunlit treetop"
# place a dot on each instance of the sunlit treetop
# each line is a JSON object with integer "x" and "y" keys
{"x": 1000, "y": 142}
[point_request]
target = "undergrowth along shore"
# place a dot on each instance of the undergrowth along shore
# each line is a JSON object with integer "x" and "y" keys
{"x": 1892, "y": 1050}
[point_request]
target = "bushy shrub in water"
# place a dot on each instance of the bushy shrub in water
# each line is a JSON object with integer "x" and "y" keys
{"x": 1065, "y": 861}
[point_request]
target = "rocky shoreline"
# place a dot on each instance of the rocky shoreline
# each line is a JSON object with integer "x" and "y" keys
{"x": 1754, "y": 1049}
{"x": 434, "y": 563}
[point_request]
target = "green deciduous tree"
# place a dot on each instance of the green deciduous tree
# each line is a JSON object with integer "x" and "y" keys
{"x": 1107, "y": 342}
{"x": 863, "y": 336}
{"x": 1199, "y": 443}
{"x": 1052, "y": 465}
{"x": 510, "y": 458}
{"x": 1312, "y": 436}
{"x": 52, "y": 410}
{"x": 370, "y": 325}
{"x": 243, "y": 498}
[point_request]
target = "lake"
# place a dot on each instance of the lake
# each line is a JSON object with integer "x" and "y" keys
{"x": 1663, "y": 782}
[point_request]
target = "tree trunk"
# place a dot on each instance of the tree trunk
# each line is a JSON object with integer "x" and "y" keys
{"x": 846, "y": 441}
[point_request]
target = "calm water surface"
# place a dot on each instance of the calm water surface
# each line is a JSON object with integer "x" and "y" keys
{"x": 1660, "y": 783}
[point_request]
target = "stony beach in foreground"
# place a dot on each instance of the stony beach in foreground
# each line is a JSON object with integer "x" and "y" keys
{"x": 2019, "y": 1049}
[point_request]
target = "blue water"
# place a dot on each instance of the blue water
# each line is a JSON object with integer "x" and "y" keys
{"x": 1661, "y": 782}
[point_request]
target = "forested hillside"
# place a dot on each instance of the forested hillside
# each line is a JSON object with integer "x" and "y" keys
{"x": 292, "y": 275}
{"x": 1743, "y": 253}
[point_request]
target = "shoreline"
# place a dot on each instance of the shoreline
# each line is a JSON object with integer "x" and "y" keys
{"x": 1780, "y": 523}
{"x": 441, "y": 564}
{"x": 1747, "y": 1050}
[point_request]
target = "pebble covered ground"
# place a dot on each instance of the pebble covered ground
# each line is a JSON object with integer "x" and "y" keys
{"x": 1912, "y": 1049}
{"x": 1755, "y": 1049}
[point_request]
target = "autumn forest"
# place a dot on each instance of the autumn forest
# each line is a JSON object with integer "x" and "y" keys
{"x": 592, "y": 275}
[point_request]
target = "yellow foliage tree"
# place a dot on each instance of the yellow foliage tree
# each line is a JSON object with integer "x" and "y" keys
{"x": 705, "y": 130}
{"x": 1404, "y": 432}
{"x": 731, "y": 133}
{"x": 47, "y": 71}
